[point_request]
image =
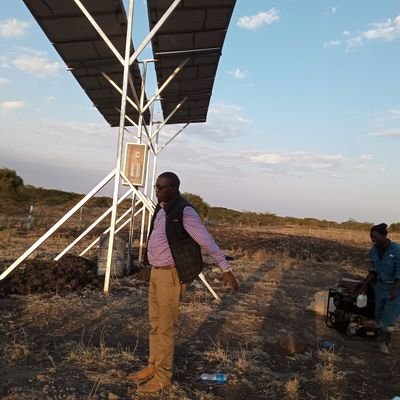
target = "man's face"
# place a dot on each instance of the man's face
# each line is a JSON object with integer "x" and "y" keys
{"x": 378, "y": 239}
{"x": 165, "y": 189}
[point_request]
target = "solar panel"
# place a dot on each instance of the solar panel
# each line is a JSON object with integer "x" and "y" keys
{"x": 196, "y": 29}
{"x": 85, "y": 52}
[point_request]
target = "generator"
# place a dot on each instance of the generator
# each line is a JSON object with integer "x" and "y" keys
{"x": 343, "y": 314}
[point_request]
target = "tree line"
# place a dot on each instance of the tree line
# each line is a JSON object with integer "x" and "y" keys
{"x": 260, "y": 219}
{"x": 12, "y": 185}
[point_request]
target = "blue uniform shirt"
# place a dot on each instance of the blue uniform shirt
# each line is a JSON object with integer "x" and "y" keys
{"x": 387, "y": 269}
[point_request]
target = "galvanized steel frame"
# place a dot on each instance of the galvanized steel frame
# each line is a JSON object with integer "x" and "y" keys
{"x": 117, "y": 173}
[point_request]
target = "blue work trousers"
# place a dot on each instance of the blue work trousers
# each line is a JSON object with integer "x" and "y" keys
{"x": 386, "y": 312}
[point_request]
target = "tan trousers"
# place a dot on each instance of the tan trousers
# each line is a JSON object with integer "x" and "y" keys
{"x": 164, "y": 295}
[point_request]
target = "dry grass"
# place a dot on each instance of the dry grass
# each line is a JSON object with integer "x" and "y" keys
{"x": 16, "y": 352}
{"x": 17, "y": 242}
{"x": 242, "y": 359}
{"x": 328, "y": 375}
{"x": 260, "y": 256}
{"x": 292, "y": 387}
{"x": 237, "y": 336}
{"x": 326, "y": 371}
{"x": 337, "y": 235}
{"x": 18, "y": 349}
{"x": 220, "y": 354}
{"x": 93, "y": 391}
{"x": 93, "y": 356}
{"x": 101, "y": 356}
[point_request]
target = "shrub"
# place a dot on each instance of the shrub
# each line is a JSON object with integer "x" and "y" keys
{"x": 198, "y": 203}
{"x": 9, "y": 180}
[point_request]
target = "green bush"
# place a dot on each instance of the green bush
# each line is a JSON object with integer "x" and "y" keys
{"x": 102, "y": 202}
{"x": 10, "y": 181}
{"x": 198, "y": 203}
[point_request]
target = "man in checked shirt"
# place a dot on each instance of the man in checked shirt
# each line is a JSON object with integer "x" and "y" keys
{"x": 173, "y": 251}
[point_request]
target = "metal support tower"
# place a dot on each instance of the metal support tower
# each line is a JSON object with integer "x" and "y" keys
{"x": 141, "y": 198}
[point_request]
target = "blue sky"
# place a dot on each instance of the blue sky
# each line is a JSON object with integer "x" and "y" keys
{"x": 304, "y": 119}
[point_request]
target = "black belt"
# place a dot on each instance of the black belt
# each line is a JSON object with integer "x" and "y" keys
{"x": 171, "y": 266}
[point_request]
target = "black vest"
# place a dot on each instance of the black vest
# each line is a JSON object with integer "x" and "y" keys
{"x": 185, "y": 251}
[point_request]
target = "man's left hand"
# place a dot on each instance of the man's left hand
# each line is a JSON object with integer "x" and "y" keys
{"x": 230, "y": 281}
{"x": 394, "y": 293}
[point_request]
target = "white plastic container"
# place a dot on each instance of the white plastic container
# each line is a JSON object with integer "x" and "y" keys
{"x": 361, "y": 301}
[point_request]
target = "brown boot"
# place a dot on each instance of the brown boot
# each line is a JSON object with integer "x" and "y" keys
{"x": 144, "y": 373}
{"x": 153, "y": 386}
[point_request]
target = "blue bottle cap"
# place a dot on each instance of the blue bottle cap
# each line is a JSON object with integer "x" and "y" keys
{"x": 328, "y": 345}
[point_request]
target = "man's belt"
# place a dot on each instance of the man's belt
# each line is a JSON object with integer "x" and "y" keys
{"x": 387, "y": 282}
{"x": 164, "y": 266}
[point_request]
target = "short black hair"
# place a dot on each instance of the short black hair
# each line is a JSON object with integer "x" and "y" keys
{"x": 172, "y": 177}
{"x": 380, "y": 228}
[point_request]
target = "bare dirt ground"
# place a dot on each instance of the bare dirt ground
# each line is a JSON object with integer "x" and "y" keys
{"x": 62, "y": 338}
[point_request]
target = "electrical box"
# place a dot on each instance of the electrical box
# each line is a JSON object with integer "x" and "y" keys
{"x": 135, "y": 163}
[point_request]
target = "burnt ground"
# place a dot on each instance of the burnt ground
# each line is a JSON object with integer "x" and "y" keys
{"x": 62, "y": 338}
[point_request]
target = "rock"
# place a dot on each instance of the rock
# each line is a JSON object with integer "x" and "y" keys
{"x": 41, "y": 377}
{"x": 319, "y": 302}
{"x": 291, "y": 344}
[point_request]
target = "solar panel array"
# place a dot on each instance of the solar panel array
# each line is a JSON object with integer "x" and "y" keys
{"x": 85, "y": 52}
{"x": 195, "y": 29}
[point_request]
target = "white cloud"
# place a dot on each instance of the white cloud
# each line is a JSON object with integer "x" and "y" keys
{"x": 76, "y": 155}
{"x": 8, "y": 106}
{"x": 215, "y": 159}
{"x": 71, "y": 131}
{"x": 4, "y": 62}
{"x": 391, "y": 133}
{"x": 364, "y": 167}
{"x": 225, "y": 122}
{"x": 333, "y": 10}
{"x": 68, "y": 143}
{"x": 13, "y": 28}
{"x": 37, "y": 64}
{"x": 239, "y": 74}
{"x": 388, "y": 30}
{"x": 393, "y": 114}
{"x": 301, "y": 159}
{"x": 354, "y": 42}
{"x": 312, "y": 165}
{"x": 4, "y": 81}
{"x": 332, "y": 43}
{"x": 259, "y": 19}
{"x": 366, "y": 157}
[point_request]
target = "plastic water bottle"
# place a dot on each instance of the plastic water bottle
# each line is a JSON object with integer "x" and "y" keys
{"x": 361, "y": 301}
{"x": 214, "y": 378}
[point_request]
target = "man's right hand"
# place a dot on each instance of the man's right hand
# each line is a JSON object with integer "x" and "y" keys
{"x": 230, "y": 281}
